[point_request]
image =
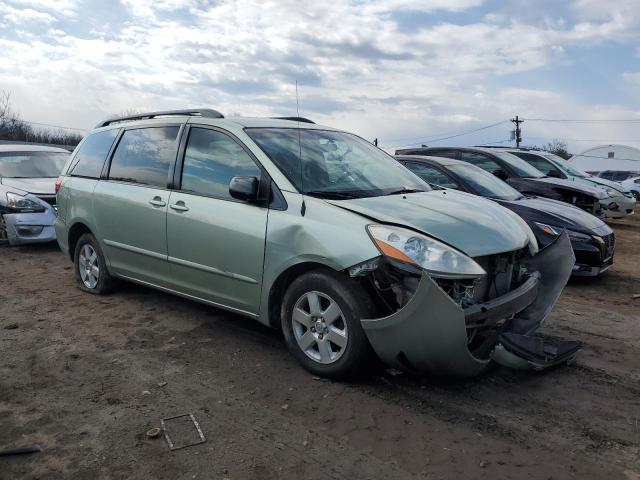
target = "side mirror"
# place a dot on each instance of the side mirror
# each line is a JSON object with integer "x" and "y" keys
{"x": 244, "y": 188}
{"x": 554, "y": 174}
{"x": 501, "y": 174}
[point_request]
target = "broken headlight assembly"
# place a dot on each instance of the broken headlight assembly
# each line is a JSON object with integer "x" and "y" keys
{"x": 437, "y": 258}
{"x": 23, "y": 204}
{"x": 554, "y": 231}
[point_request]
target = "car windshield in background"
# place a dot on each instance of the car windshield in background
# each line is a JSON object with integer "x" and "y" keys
{"x": 334, "y": 164}
{"x": 32, "y": 164}
{"x": 484, "y": 183}
{"x": 522, "y": 168}
{"x": 564, "y": 165}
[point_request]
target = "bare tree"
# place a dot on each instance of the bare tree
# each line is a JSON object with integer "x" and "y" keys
{"x": 13, "y": 128}
{"x": 558, "y": 147}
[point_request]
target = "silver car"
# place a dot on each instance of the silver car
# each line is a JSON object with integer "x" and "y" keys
{"x": 27, "y": 192}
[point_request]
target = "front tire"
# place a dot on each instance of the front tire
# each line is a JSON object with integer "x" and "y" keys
{"x": 320, "y": 316}
{"x": 90, "y": 266}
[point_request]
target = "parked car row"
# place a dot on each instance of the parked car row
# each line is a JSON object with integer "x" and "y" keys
{"x": 546, "y": 175}
{"x": 592, "y": 240}
{"x": 317, "y": 232}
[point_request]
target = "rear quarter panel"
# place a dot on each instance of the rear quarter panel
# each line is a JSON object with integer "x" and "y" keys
{"x": 75, "y": 205}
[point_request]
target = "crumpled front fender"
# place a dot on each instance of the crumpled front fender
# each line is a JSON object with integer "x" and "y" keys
{"x": 429, "y": 333}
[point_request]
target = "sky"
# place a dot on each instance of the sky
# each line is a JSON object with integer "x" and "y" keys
{"x": 406, "y": 72}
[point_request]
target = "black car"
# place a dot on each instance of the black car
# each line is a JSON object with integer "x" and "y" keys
{"x": 592, "y": 240}
{"x": 520, "y": 175}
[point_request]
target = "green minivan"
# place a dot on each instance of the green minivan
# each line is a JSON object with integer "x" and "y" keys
{"x": 315, "y": 231}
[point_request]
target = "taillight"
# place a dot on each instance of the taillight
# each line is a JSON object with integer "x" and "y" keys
{"x": 58, "y": 183}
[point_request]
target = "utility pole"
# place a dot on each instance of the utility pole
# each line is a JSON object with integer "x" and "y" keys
{"x": 517, "y": 123}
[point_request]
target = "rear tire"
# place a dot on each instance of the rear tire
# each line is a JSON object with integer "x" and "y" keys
{"x": 320, "y": 316}
{"x": 90, "y": 266}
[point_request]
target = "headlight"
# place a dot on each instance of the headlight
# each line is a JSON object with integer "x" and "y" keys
{"x": 555, "y": 231}
{"x": 23, "y": 204}
{"x": 435, "y": 257}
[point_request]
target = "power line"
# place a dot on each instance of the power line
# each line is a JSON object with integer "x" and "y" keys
{"x": 630, "y": 120}
{"x": 605, "y": 140}
{"x": 454, "y": 135}
{"x": 53, "y": 126}
{"x": 607, "y": 158}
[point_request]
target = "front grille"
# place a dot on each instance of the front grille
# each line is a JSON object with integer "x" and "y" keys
{"x": 608, "y": 246}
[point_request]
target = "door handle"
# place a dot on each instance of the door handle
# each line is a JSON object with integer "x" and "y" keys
{"x": 179, "y": 206}
{"x": 157, "y": 202}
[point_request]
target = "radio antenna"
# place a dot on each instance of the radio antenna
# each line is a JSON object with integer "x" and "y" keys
{"x": 300, "y": 149}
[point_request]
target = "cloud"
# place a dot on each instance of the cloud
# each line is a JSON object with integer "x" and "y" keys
{"x": 24, "y": 16}
{"x": 60, "y": 7}
{"x": 356, "y": 64}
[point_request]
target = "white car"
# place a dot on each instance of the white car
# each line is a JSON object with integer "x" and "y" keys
{"x": 619, "y": 202}
{"x": 28, "y": 176}
{"x": 633, "y": 184}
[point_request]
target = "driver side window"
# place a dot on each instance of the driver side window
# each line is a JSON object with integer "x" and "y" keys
{"x": 211, "y": 160}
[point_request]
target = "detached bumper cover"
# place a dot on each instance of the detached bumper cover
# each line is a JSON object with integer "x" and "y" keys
{"x": 430, "y": 332}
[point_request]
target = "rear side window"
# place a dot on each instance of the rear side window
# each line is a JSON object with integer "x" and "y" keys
{"x": 480, "y": 160}
{"x": 535, "y": 161}
{"x": 144, "y": 156}
{"x": 91, "y": 155}
{"x": 211, "y": 160}
{"x": 431, "y": 175}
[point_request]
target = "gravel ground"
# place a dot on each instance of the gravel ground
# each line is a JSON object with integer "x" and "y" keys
{"x": 85, "y": 377}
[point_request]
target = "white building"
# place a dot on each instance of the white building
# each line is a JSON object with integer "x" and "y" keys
{"x": 608, "y": 157}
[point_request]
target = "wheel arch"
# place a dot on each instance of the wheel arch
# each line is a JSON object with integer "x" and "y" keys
{"x": 282, "y": 281}
{"x": 75, "y": 232}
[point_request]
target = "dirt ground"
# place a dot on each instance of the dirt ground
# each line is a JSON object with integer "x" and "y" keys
{"x": 84, "y": 377}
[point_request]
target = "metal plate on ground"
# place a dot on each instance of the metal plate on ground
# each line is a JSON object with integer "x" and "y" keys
{"x": 182, "y": 431}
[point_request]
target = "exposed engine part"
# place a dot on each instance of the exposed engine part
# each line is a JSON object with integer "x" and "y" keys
{"x": 461, "y": 291}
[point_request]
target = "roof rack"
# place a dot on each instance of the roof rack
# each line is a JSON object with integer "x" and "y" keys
{"x": 295, "y": 119}
{"x": 195, "y": 112}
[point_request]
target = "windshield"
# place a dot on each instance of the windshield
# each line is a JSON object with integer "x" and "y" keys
{"x": 484, "y": 183}
{"x": 564, "y": 165}
{"x": 334, "y": 164}
{"x": 32, "y": 164}
{"x": 522, "y": 168}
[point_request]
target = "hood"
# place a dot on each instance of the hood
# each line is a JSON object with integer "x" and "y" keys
{"x": 37, "y": 186}
{"x": 471, "y": 224}
{"x": 555, "y": 213}
{"x": 604, "y": 183}
{"x": 591, "y": 190}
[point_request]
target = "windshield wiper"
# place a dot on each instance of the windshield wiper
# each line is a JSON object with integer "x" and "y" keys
{"x": 333, "y": 195}
{"x": 405, "y": 190}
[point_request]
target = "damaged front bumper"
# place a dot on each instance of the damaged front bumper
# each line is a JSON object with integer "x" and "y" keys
{"x": 433, "y": 333}
{"x": 25, "y": 228}
{"x": 618, "y": 206}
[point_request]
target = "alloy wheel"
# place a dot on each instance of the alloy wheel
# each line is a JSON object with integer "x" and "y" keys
{"x": 89, "y": 266}
{"x": 319, "y": 327}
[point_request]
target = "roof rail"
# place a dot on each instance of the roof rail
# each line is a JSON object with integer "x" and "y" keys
{"x": 524, "y": 149}
{"x": 200, "y": 112}
{"x": 295, "y": 119}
